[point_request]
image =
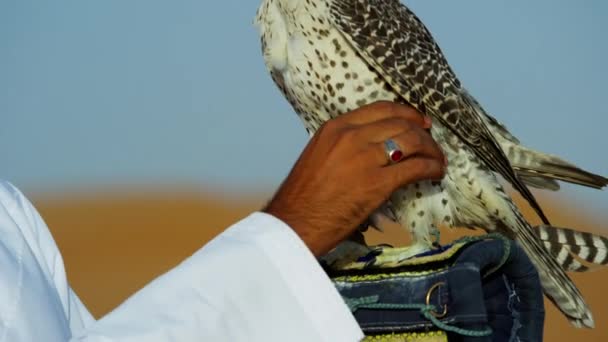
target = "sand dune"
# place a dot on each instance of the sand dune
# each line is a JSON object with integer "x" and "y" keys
{"x": 114, "y": 243}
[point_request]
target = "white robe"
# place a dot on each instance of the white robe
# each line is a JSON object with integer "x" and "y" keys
{"x": 256, "y": 281}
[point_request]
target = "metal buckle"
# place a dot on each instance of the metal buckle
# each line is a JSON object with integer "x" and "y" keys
{"x": 428, "y": 300}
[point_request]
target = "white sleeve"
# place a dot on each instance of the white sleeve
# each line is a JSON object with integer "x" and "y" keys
{"x": 36, "y": 303}
{"x": 257, "y": 281}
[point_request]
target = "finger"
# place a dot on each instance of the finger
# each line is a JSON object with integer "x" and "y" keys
{"x": 379, "y": 131}
{"x": 410, "y": 171}
{"x": 414, "y": 142}
{"x": 382, "y": 110}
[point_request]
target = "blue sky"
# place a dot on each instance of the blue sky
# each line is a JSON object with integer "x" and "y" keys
{"x": 98, "y": 93}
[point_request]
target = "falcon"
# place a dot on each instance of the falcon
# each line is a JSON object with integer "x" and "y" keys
{"x": 329, "y": 57}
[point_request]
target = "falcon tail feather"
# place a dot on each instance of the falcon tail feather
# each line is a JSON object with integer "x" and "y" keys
{"x": 558, "y": 287}
{"x": 539, "y": 182}
{"x": 549, "y": 167}
{"x": 570, "y": 247}
{"x": 535, "y": 168}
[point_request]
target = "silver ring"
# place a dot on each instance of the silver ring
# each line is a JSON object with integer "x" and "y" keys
{"x": 393, "y": 153}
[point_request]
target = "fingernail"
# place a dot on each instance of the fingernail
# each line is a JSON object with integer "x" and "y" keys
{"x": 428, "y": 122}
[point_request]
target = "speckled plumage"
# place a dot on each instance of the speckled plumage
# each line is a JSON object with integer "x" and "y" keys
{"x": 331, "y": 56}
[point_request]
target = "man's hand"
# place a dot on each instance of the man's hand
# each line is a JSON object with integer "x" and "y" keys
{"x": 343, "y": 174}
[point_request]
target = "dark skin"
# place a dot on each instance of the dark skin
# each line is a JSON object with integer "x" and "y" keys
{"x": 343, "y": 174}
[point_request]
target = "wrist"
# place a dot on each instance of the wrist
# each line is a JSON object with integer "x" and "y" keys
{"x": 314, "y": 236}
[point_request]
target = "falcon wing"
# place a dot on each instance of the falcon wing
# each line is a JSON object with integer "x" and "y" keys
{"x": 495, "y": 126}
{"x": 392, "y": 40}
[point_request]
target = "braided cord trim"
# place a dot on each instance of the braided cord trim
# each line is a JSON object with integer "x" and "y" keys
{"x": 427, "y": 311}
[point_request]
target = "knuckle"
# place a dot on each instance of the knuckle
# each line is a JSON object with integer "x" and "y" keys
{"x": 416, "y": 141}
{"x": 426, "y": 168}
{"x": 385, "y": 106}
{"x": 409, "y": 115}
{"x": 402, "y": 122}
{"x": 347, "y": 136}
{"x": 435, "y": 148}
{"x": 398, "y": 127}
{"x": 331, "y": 127}
{"x": 409, "y": 111}
{"x": 433, "y": 169}
{"x": 322, "y": 130}
{"x": 429, "y": 140}
{"x": 419, "y": 166}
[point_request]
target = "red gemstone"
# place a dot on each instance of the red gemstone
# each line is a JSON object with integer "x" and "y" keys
{"x": 396, "y": 155}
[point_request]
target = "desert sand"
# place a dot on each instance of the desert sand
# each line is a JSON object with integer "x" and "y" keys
{"x": 113, "y": 243}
